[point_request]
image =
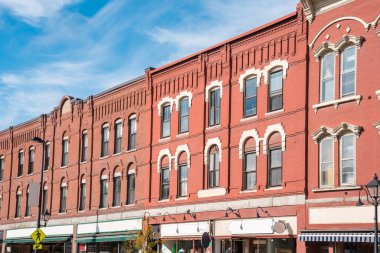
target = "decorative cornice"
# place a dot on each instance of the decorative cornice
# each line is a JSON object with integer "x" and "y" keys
{"x": 163, "y": 101}
{"x": 322, "y": 132}
{"x": 375, "y": 22}
{"x": 269, "y": 131}
{"x": 180, "y": 149}
{"x": 273, "y": 64}
{"x": 377, "y": 125}
{"x": 248, "y": 73}
{"x": 181, "y": 95}
{"x": 328, "y": 46}
{"x": 343, "y": 127}
{"x": 211, "y": 142}
{"x": 161, "y": 154}
{"x": 212, "y": 85}
{"x": 244, "y": 136}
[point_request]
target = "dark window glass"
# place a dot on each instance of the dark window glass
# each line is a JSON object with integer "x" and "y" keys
{"x": 18, "y": 205}
{"x": 103, "y": 193}
{"x": 116, "y": 191}
{"x": 84, "y": 147}
{"x": 31, "y": 161}
{"x": 65, "y": 152}
{"x": 131, "y": 189}
{"x": 1, "y": 168}
{"x": 82, "y": 203}
{"x": 165, "y": 183}
{"x": 182, "y": 180}
{"x": 27, "y": 209}
{"x": 214, "y": 108}
{"x": 275, "y": 91}
{"x": 62, "y": 204}
{"x": 213, "y": 173}
{"x": 20, "y": 163}
{"x": 184, "y": 115}
{"x": 249, "y": 171}
{"x": 250, "y": 97}
{"x": 45, "y": 199}
{"x": 105, "y": 141}
{"x": 47, "y": 156}
{"x": 165, "y": 121}
{"x": 132, "y": 133}
{"x": 118, "y": 138}
{"x": 275, "y": 167}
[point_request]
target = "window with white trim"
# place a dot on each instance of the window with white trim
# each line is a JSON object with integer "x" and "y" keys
{"x": 20, "y": 163}
{"x": 348, "y": 71}
{"x": 213, "y": 167}
{"x": 27, "y": 208}
{"x": 18, "y": 204}
{"x": 82, "y": 200}
{"x": 214, "y": 107}
{"x": 165, "y": 183}
{"x": 183, "y": 171}
{"x": 105, "y": 140}
{"x": 84, "y": 146}
{"x": 131, "y": 188}
{"x": 47, "y": 156}
{"x": 326, "y": 162}
{"x": 1, "y": 168}
{"x": 116, "y": 190}
{"x": 132, "y": 129}
{"x": 327, "y": 77}
{"x": 275, "y": 91}
{"x": 249, "y": 162}
{"x": 65, "y": 151}
{"x": 118, "y": 137}
{"x": 63, "y": 197}
{"x": 31, "y": 160}
{"x": 103, "y": 192}
{"x": 347, "y": 159}
{"x": 250, "y": 96}
{"x": 183, "y": 115}
{"x": 275, "y": 160}
{"x": 165, "y": 121}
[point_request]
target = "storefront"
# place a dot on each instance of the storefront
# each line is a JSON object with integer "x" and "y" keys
{"x": 107, "y": 236}
{"x": 58, "y": 240}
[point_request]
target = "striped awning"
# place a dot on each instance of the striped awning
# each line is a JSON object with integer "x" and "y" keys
{"x": 337, "y": 237}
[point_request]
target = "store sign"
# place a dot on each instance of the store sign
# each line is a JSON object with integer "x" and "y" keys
{"x": 251, "y": 226}
{"x": 184, "y": 229}
{"x": 65, "y": 230}
{"x": 110, "y": 226}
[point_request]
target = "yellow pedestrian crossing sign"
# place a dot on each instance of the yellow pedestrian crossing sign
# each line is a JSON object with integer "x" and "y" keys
{"x": 38, "y": 236}
{"x": 37, "y": 246}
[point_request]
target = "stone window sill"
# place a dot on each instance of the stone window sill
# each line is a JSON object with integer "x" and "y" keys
{"x": 64, "y": 167}
{"x": 162, "y": 140}
{"x": 103, "y": 157}
{"x": 129, "y": 205}
{"x": 130, "y": 151}
{"x": 182, "y": 135}
{"x": 275, "y": 188}
{"x": 163, "y": 200}
{"x": 211, "y": 128}
{"x": 247, "y": 191}
{"x": 83, "y": 162}
{"x": 212, "y": 192}
{"x": 248, "y": 118}
{"x": 336, "y": 102}
{"x": 181, "y": 198}
{"x": 274, "y": 112}
{"x": 340, "y": 188}
{"x": 117, "y": 154}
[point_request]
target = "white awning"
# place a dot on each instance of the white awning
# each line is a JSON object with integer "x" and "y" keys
{"x": 337, "y": 237}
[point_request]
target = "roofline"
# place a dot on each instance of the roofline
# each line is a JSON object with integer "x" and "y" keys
{"x": 255, "y": 30}
{"x": 118, "y": 86}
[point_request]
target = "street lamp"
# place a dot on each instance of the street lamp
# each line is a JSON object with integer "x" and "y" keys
{"x": 372, "y": 191}
{"x": 40, "y": 141}
{"x": 45, "y": 216}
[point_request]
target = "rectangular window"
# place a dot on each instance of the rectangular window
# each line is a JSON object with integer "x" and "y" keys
{"x": 131, "y": 189}
{"x": 275, "y": 91}
{"x": 20, "y": 163}
{"x": 166, "y": 121}
{"x": 62, "y": 203}
{"x": 105, "y": 141}
{"x": 250, "y": 97}
{"x": 65, "y": 152}
{"x": 27, "y": 208}
{"x": 213, "y": 177}
{"x": 84, "y": 147}
{"x": 326, "y": 152}
{"x": 249, "y": 171}
{"x": 348, "y": 74}
{"x": 18, "y": 205}
{"x": 165, "y": 183}
{"x": 31, "y": 161}
{"x": 118, "y": 138}
{"x": 347, "y": 159}
{"x": 1, "y": 168}
{"x": 103, "y": 193}
{"x": 45, "y": 199}
{"x": 327, "y": 77}
{"x": 275, "y": 167}
{"x": 82, "y": 203}
{"x": 214, "y": 108}
{"x": 184, "y": 115}
{"x": 47, "y": 156}
{"x": 132, "y": 133}
{"x": 182, "y": 180}
{"x": 116, "y": 191}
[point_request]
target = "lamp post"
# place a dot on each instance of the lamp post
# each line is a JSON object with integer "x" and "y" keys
{"x": 39, "y": 140}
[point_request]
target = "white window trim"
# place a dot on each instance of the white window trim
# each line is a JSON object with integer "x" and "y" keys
{"x": 272, "y": 129}
{"x": 179, "y": 150}
{"x": 131, "y": 171}
{"x": 119, "y": 121}
{"x": 83, "y": 181}
{"x": 337, "y": 102}
{"x": 322, "y": 132}
{"x": 275, "y": 65}
{"x": 250, "y": 73}
{"x": 181, "y": 95}
{"x": 328, "y": 46}
{"x": 340, "y": 160}
{"x": 117, "y": 174}
{"x": 211, "y": 86}
{"x": 104, "y": 177}
{"x": 209, "y": 144}
{"x": 377, "y": 125}
{"x": 161, "y": 154}
{"x": 320, "y": 163}
{"x": 45, "y": 187}
{"x": 344, "y": 126}
{"x": 162, "y": 102}
{"x": 63, "y": 185}
{"x": 378, "y": 94}
{"x": 321, "y": 79}
{"x": 341, "y": 71}
{"x": 244, "y": 136}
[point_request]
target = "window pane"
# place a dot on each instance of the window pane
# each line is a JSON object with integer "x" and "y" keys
{"x": 184, "y": 107}
{"x": 276, "y": 158}
{"x": 347, "y": 146}
{"x": 349, "y": 57}
{"x": 275, "y": 81}
{"x": 327, "y": 150}
{"x": 327, "y": 88}
{"x": 184, "y": 124}
{"x": 131, "y": 189}
{"x": 250, "y": 87}
{"x": 250, "y": 162}
{"x": 250, "y": 105}
{"x": 348, "y": 83}
{"x": 275, "y": 177}
{"x": 327, "y": 176}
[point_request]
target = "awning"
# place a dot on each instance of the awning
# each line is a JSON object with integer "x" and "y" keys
{"x": 114, "y": 238}
{"x": 30, "y": 241}
{"x": 337, "y": 237}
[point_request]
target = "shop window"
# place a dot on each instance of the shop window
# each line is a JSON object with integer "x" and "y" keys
{"x": 118, "y": 137}
{"x": 182, "y": 175}
{"x": 184, "y": 115}
{"x": 275, "y": 91}
{"x": 116, "y": 190}
{"x": 326, "y": 165}
{"x": 65, "y": 151}
{"x": 103, "y": 192}
{"x": 82, "y": 201}
{"x": 213, "y": 167}
{"x": 348, "y": 71}
{"x": 275, "y": 160}
{"x": 105, "y": 140}
{"x": 347, "y": 159}
{"x": 31, "y": 160}
{"x": 214, "y": 107}
{"x": 132, "y": 129}
{"x": 327, "y": 77}
{"x": 250, "y": 97}
{"x": 63, "y": 196}
{"x": 165, "y": 183}
{"x": 47, "y": 156}
{"x": 249, "y": 175}
{"x": 1, "y": 168}
{"x": 84, "y": 146}
{"x": 166, "y": 114}
{"x": 20, "y": 163}
{"x": 131, "y": 189}
{"x": 18, "y": 204}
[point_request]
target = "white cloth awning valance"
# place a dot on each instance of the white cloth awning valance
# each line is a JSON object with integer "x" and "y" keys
{"x": 337, "y": 237}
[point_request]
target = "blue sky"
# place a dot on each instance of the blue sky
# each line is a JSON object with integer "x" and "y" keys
{"x": 51, "y": 48}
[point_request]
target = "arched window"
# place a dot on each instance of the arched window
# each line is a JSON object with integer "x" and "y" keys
{"x": 213, "y": 167}
{"x": 214, "y": 107}
{"x": 327, "y": 77}
{"x": 20, "y": 162}
{"x": 65, "y": 150}
{"x": 47, "y": 156}
{"x": 31, "y": 160}
{"x": 27, "y": 207}
{"x": 183, "y": 172}
{"x": 132, "y": 130}
{"x": 249, "y": 172}
{"x": 348, "y": 71}
{"x": 105, "y": 140}
{"x": 118, "y": 136}
{"x": 184, "y": 115}
{"x": 165, "y": 178}
{"x": 63, "y": 197}
{"x": 131, "y": 184}
{"x": 116, "y": 188}
{"x": 275, "y": 160}
{"x": 250, "y": 96}
{"x": 165, "y": 120}
{"x": 18, "y": 203}
{"x": 326, "y": 162}
{"x": 347, "y": 159}
{"x": 275, "y": 90}
{"x": 103, "y": 190}
{"x": 84, "y": 146}
{"x": 1, "y": 168}
{"x": 45, "y": 198}
{"x": 83, "y": 193}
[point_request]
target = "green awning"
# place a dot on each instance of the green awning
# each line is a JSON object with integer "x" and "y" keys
{"x": 114, "y": 238}
{"x": 30, "y": 241}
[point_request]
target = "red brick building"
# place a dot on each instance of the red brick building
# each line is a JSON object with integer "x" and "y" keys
{"x": 261, "y": 140}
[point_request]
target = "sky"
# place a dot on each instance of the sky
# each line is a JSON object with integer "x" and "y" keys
{"x": 52, "y": 48}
